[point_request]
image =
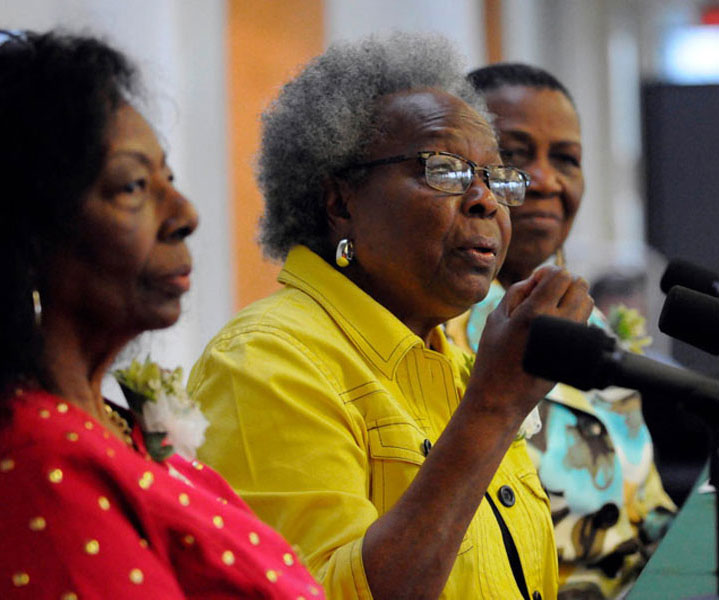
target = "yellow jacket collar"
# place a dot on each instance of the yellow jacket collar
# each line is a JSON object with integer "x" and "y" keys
{"x": 380, "y": 336}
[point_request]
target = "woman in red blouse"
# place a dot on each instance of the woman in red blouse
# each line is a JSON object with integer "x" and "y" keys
{"x": 92, "y": 251}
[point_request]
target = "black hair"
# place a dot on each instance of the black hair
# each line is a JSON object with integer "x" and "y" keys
{"x": 58, "y": 93}
{"x": 499, "y": 75}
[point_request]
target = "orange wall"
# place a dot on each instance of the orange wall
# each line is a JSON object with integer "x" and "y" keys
{"x": 267, "y": 42}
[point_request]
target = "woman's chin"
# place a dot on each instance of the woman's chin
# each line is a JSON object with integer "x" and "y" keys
{"x": 161, "y": 317}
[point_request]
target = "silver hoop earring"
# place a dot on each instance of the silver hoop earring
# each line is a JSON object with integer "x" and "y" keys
{"x": 37, "y": 307}
{"x": 345, "y": 253}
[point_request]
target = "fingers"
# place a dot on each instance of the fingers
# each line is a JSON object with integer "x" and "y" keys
{"x": 519, "y": 292}
{"x": 554, "y": 291}
{"x": 576, "y": 303}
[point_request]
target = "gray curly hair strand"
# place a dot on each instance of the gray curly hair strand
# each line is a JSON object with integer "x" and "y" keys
{"x": 323, "y": 120}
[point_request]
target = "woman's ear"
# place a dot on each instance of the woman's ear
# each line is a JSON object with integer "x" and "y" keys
{"x": 336, "y": 195}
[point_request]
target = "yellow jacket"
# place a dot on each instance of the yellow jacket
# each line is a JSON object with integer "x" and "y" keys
{"x": 321, "y": 403}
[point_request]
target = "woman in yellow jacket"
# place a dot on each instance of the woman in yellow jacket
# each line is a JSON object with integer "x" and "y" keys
{"x": 393, "y": 461}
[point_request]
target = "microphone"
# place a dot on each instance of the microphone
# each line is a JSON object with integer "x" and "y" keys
{"x": 691, "y": 317}
{"x": 587, "y": 358}
{"x": 682, "y": 272}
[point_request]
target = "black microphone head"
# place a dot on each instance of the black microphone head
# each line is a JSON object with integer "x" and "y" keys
{"x": 691, "y": 317}
{"x": 682, "y": 272}
{"x": 561, "y": 350}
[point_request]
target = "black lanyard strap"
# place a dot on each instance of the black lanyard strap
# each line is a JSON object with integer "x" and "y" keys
{"x": 512, "y": 553}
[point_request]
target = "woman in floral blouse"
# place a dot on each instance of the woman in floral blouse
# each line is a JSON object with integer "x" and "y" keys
{"x": 594, "y": 453}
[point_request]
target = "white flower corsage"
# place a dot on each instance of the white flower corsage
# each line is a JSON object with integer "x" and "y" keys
{"x": 630, "y": 328}
{"x": 170, "y": 421}
{"x": 531, "y": 425}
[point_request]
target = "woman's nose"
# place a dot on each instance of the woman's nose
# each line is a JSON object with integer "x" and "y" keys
{"x": 545, "y": 180}
{"x": 478, "y": 200}
{"x": 182, "y": 221}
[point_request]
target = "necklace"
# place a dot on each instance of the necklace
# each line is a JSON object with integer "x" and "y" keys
{"x": 118, "y": 420}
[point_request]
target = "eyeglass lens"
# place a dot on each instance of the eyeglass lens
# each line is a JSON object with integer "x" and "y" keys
{"x": 453, "y": 175}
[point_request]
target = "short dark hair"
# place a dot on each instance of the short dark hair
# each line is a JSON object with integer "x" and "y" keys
{"x": 498, "y": 75}
{"x": 57, "y": 95}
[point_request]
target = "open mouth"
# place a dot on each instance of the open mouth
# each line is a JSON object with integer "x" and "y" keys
{"x": 481, "y": 253}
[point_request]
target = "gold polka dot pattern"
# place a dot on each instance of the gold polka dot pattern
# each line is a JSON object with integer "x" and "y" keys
{"x": 55, "y": 476}
{"x": 137, "y": 576}
{"x": 44, "y": 413}
{"x": 146, "y": 480}
{"x": 281, "y": 567}
{"x": 314, "y": 591}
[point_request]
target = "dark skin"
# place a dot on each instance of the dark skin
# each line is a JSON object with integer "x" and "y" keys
{"x": 125, "y": 271}
{"x": 427, "y": 257}
{"x": 539, "y": 132}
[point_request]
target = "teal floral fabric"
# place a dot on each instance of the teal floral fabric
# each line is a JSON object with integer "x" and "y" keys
{"x": 595, "y": 459}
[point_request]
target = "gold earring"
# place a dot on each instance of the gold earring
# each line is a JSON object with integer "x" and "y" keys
{"x": 37, "y": 307}
{"x": 345, "y": 253}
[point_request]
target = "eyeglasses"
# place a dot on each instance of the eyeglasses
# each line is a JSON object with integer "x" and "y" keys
{"x": 453, "y": 174}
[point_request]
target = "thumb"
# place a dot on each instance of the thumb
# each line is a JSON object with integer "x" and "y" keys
{"x": 520, "y": 291}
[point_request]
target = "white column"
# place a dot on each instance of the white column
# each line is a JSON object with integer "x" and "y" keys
{"x": 462, "y": 21}
{"x": 180, "y": 49}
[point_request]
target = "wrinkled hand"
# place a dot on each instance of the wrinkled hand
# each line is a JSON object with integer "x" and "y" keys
{"x": 498, "y": 380}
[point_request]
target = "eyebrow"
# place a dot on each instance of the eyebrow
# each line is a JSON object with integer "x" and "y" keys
{"x": 525, "y": 137}
{"x": 139, "y": 156}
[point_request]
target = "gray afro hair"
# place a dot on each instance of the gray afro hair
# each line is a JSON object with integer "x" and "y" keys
{"x": 323, "y": 120}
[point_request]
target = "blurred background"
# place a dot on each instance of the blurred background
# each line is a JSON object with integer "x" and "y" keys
{"x": 644, "y": 74}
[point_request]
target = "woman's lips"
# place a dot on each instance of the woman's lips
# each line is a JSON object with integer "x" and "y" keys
{"x": 536, "y": 218}
{"x": 175, "y": 283}
{"x": 482, "y": 257}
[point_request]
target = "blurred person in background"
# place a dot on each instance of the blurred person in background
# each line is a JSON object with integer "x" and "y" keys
{"x": 679, "y": 464}
{"x": 594, "y": 453}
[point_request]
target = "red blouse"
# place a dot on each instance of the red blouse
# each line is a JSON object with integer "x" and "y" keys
{"x": 83, "y": 515}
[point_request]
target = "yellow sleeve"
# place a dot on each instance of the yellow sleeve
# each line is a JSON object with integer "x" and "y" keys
{"x": 281, "y": 435}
